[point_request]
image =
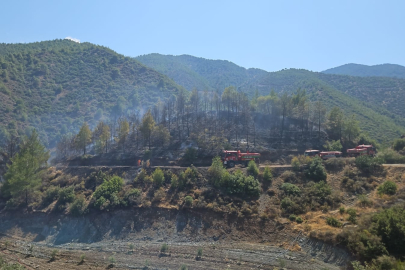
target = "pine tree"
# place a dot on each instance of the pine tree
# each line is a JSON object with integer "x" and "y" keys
{"x": 147, "y": 126}
{"x": 123, "y": 131}
{"x": 83, "y": 138}
{"x": 24, "y": 174}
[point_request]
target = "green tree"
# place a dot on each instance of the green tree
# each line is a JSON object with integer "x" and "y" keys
{"x": 147, "y": 126}
{"x": 335, "y": 123}
{"x": 83, "y": 138}
{"x": 216, "y": 171}
{"x": 123, "y": 131}
{"x": 333, "y": 146}
{"x": 267, "y": 174}
{"x": 158, "y": 177}
{"x": 252, "y": 168}
{"x": 24, "y": 174}
{"x": 351, "y": 128}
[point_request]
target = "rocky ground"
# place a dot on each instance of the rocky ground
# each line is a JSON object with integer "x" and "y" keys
{"x": 132, "y": 239}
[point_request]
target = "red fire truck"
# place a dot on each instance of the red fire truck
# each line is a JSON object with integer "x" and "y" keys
{"x": 231, "y": 158}
{"x": 362, "y": 150}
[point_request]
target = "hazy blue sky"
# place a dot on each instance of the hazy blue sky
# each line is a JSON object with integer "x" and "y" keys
{"x": 271, "y": 35}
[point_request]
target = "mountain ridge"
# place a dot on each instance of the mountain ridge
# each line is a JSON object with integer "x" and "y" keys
{"x": 381, "y": 70}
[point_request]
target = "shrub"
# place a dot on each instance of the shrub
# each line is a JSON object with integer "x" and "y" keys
{"x": 368, "y": 164}
{"x": 316, "y": 171}
{"x": 388, "y": 187}
{"x": 108, "y": 187}
{"x": 391, "y": 157}
{"x": 78, "y": 207}
{"x": 164, "y": 248}
{"x": 239, "y": 184}
{"x": 158, "y": 177}
{"x": 142, "y": 175}
{"x": 342, "y": 210}
{"x": 66, "y": 195}
{"x": 188, "y": 200}
{"x": 253, "y": 169}
{"x": 267, "y": 175}
{"x": 389, "y": 225}
{"x": 291, "y": 189}
{"x": 183, "y": 267}
{"x": 112, "y": 260}
{"x": 159, "y": 195}
{"x": 53, "y": 254}
{"x": 191, "y": 174}
{"x": 292, "y": 217}
{"x": 364, "y": 201}
{"x": 289, "y": 206}
{"x": 331, "y": 221}
{"x": 199, "y": 252}
{"x": 82, "y": 258}
{"x": 288, "y": 176}
{"x": 363, "y": 244}
{"x": 334, "y": 163}
{"x": 299, "y": 220}
{"x": 319, "y": 191}
{"x": 133, "y": 196}
{"x": 352, "y": 215}
{"x": 295, "y": 163}
{"x": 399, "y": 144}
{"x": 51, "y": 194}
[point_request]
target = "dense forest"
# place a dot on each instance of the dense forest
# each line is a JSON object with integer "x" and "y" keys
{"x": 376, "y": 101}
{"x": 55, "y": 86}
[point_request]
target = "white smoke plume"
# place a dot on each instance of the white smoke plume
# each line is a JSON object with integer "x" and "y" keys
{"x": 73, "y": 39}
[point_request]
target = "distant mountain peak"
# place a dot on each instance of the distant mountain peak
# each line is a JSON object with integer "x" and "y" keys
{"x": 381, "y": 70}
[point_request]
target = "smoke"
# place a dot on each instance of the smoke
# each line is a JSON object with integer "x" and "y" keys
{"x": 73, "y": 39}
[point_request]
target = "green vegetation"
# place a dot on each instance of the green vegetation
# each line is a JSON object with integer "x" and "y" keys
{"x": 24, "y": 175}
{"x": 158, "y": 177}
{"x": 199, "y": 252}
{"x": 267, "y": 175}
{"x": 164, "y": 248}
{"x": 253, "y": 169}
{"x": 388, "y": 187}
{"x": 377, "y": 235}
{"x": 291, "y": 189}
{"x": 368, "y": 164}
{"x": 7, "y": 266}
{"x": 346, "y": 92}
{"x": 316, "y": 171}
{"x": 57, "y": 89}
{"x": 331, "y": 221}
{"x": 106, "y": 194}
{"x": 384, "y": 70}
{"x": 188, "y": 201}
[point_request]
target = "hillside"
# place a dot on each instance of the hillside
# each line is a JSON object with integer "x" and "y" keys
{"x": 384, "y": 70}
{"x": 55, "y": 86}
{"x": 380, "y": 122}
{"x": 194, "y": 72}
{"x": 376, "y": 101}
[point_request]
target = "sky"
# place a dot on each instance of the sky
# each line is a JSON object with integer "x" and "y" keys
{"x": 271, "y": 35}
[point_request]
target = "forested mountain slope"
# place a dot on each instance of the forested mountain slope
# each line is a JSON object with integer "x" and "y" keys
{"x": 55, "y": 86}
{"x": 379, "y": 122}
{"x": 194, "y": 72}
{"x": 376, "y": 100}
{"x": 384, "y": 70}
